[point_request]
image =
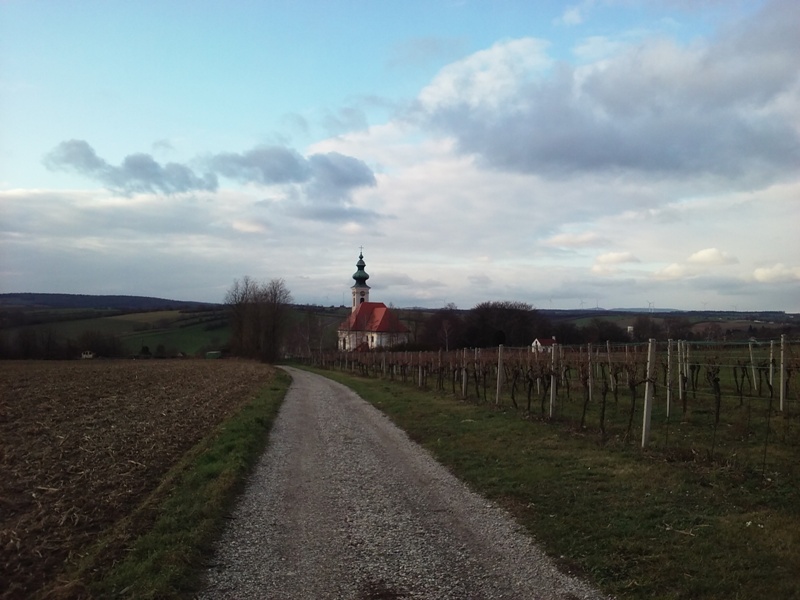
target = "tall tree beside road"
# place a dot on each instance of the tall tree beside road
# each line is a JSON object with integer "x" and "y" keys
{"x": 259, "y": 317}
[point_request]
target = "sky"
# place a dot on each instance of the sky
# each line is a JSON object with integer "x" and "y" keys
{"x": 599, "y": 153}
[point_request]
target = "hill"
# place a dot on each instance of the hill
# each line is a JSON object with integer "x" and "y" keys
{"x": 86, "y": 301}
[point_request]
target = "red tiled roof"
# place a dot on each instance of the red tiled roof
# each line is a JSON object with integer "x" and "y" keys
{"x": 374, "y": 317}
{"x": 545, "y": 341}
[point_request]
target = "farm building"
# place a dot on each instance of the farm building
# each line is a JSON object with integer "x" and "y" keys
{"x": 543, "y": 345}
{"x": 370, "y": 324}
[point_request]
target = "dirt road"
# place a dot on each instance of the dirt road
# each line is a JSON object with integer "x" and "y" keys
{"x": 344, "y": 505}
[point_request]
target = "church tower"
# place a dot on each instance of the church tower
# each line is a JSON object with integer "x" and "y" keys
{"x": 360, "y": 288}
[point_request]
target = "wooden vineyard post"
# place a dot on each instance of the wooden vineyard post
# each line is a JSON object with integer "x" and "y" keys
{"x": 771, "y": 361}
{"x": 440, "y": 386}
{"x": 782, "y": 377}
{"x": 648, "y": 392}
{"x": 420, "y": 370}
{"x": 464, "y": 373}
{"x": 752, "y": 368}
{"x": 589, "y": 366}
{"x": 610, "y": 370}
{"x": 669, "y": 375}
{"x": 553, "y": 380}
{"x": 681, "y": 373}
{"x": 499, "y": 374}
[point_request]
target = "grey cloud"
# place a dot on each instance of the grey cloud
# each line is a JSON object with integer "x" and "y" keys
{"x": 348, "y": 118}
{"x": 163, "y": 145}
{"x": 322, "y": 182}
{"x": 330, "y": 175}
{"x": 479, "y": 281}
{"x": 319, "y": 186}
{"x": 656, "y": 108}
{"x": 137, "y": 173}
{"x": 266, "y": 165}
{"x": 336, "y": 174}
{"x": 77, "y": 154}
{"x": 295, "y": 122}
{"x": 334, "y": 213}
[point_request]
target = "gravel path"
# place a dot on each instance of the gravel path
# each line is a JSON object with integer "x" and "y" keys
{"x": 344, "y": 505}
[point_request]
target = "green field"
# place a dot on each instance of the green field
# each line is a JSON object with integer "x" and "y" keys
{"x": 175, "y": 331}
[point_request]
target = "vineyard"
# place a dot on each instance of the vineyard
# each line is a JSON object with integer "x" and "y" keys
{"x": 731, "y": 404}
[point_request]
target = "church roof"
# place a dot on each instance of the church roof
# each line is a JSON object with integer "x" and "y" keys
{"x": 374, "y": 317}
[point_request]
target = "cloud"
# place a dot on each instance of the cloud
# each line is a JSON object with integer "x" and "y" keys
{"x": 480, "y": 281}
{"x": 163, "y": 145}
{"x": 316, "y": 187}
{"x": 575, "y": 15}
{"x": 586, "y": 239}
{"x": 486, "y": 80}
{"x": 606, "y": 264}
{"x": 712, "y": 257}
{"x": 266, "y": 165}
{"x": 295, "y": 123}
{"x": 673, "y": 271}
{"x": 697, "y": 264}
{"x": 335, "y": 174}
{"x": 137, "y": 173}
{"x": 716, "y": 108}
{"x": 330, "y": 175}
{"x": 616, "y": 258}
{"x": 347, "y": 118}
{"x": 777, "y": 273}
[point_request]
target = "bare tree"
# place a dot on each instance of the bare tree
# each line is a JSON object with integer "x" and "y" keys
{"x": 259, "y": 317}
{"x": 274, "y": 301}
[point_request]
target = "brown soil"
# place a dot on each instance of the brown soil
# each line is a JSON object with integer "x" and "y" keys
{"x": 82, "y": 443}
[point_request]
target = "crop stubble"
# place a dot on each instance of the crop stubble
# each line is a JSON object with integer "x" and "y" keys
{"x": 82, "y": 443}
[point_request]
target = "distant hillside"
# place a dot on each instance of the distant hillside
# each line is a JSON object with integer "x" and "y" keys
{"x": 87, "y": 301}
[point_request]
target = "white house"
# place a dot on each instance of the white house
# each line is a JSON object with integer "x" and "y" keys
{"x": 543, "y": 345}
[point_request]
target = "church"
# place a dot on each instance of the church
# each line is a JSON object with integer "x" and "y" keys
{"x": 370, "y": 325}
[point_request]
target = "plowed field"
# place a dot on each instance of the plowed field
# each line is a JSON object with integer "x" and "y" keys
{"x": 82, "y": 443}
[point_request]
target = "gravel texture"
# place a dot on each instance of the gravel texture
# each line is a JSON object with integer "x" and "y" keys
{"x": 344, "y": 505}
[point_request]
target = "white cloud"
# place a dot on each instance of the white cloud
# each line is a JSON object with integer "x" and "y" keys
{"x": 609, "y": 263}
{"x": 777, "y": 273}
{"x": 714, "y": 109}
{"x": 712, "y": 257}
{"x": 576, "y": 14}
{"x": 249, "y": 226}
{"x": 572, "y": 16}
{"x": 673, "y": 271}
{"x": 489, "y": 78}
{"x": 586, "y": 239}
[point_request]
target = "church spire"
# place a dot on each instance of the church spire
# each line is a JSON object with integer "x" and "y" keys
{"x": 360, "y": 288}
{"x": 361, "y": 275}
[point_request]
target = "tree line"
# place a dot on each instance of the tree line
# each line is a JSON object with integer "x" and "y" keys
{"x": 517, "y": 324}
{"x": 260, "y": 317}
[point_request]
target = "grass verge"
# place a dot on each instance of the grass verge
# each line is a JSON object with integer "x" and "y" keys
{"x": 636, "y": 524}
{"x": 184, "y": 516}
